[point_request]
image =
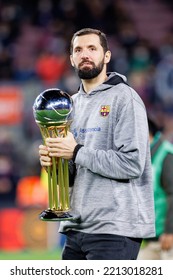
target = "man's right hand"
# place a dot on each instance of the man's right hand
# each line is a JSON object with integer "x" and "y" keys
{"x": 45, "y": 159}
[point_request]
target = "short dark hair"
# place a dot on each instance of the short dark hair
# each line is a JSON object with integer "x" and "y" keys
{"x": 85, "y": 31}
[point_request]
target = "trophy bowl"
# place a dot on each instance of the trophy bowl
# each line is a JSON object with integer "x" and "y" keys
{"x": 52, "y": 107}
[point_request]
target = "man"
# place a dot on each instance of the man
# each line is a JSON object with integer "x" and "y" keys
{"x": 109, "y": 145}
{"x": 161, "y": 247}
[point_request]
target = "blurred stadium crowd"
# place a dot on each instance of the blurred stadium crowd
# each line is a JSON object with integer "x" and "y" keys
{"x": 34, "y": 55}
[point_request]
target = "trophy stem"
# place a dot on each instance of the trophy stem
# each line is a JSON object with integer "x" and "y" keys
{"x": 61, "y": 182}
{"x": 45, "y": 133}
{"x": 50, "y": 195}
{"x": 66, "y": 174}
{"x": 66, "y": 183}
{"x": 54, "y": 182}
{"x": 58, "y": 185}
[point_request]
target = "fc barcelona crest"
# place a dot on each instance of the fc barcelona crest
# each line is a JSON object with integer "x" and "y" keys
{"x": 105, "y": 109}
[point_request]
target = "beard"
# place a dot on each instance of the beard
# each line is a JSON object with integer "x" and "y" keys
{"x": 89, "y": 73}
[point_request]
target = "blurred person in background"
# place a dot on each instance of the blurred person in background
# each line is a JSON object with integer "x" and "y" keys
{"x": 9, "y": 172}
{"x": 8, "y": 182}
{"x": 161, "y": 247}
{"x": 109, "y": 145}
{"x": 163, "y": 80}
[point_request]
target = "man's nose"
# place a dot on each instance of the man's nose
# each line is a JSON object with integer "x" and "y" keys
{"x": 84, "y": 54}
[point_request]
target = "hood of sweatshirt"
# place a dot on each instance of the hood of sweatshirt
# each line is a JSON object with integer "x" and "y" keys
{"x": 114, "y": 78}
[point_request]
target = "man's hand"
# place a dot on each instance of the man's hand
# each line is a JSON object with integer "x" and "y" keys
{"x": 166, "y": 241}
{"x": 45, "y": 159}
{"x": 61, "y": 146}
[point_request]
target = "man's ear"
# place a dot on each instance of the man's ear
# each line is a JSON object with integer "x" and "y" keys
{"x": 107, "y": 57}
{"x": 71, "y": 60}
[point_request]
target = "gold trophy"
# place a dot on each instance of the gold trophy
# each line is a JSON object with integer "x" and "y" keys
{"x": 52, "y": 109}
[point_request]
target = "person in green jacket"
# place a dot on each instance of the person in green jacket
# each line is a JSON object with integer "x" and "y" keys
{"x": 161, "y": 247}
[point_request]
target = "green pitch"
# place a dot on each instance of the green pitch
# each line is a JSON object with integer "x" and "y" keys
{"x": 31, "y": 255}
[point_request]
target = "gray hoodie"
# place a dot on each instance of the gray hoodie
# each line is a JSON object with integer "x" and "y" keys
{"x": 112, "y": 190}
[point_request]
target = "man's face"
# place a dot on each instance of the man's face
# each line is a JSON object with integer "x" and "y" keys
{"x": 88, "y": 57}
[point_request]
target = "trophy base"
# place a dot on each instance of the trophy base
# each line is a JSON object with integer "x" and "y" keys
{"x": 54, "y": 215}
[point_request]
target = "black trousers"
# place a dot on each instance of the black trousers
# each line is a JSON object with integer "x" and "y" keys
{"x": 84, "y": 246}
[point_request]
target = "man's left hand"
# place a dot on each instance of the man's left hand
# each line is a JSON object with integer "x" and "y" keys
{"x": 61, "y": 146}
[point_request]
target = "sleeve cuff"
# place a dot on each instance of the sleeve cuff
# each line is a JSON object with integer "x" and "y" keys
{"x": 76, "y": 149}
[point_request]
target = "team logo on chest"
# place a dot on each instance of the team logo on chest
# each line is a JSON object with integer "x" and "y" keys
{"x": 105, "y": 109}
